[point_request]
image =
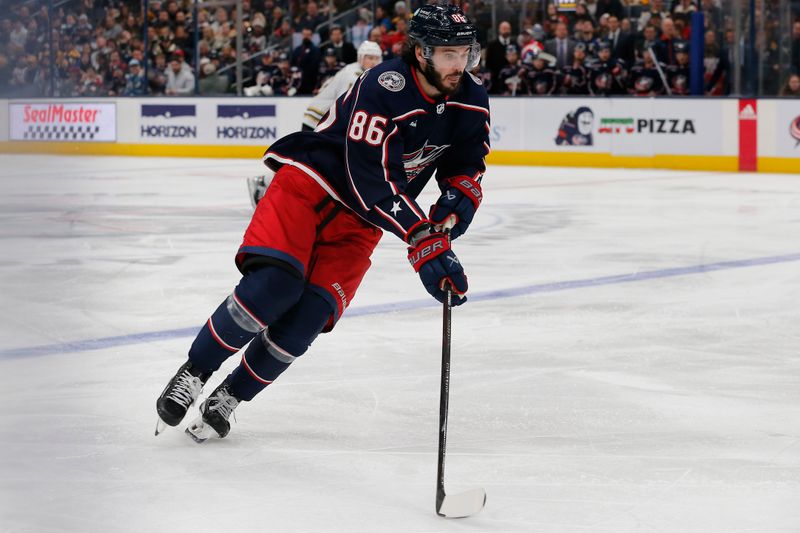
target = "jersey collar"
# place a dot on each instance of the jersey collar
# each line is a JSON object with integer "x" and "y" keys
{"x": 419, "y": 87}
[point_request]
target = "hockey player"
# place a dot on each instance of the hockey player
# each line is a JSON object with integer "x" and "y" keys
{"x": 369, "y": 54}
{"x": 509, "y": 77}
{"x": 328, "y": 68}
{"x": 645, "y": 80}
{"x": 606, "y": 75}
{"x": 575, "y": 77}
{"x": 678, "y": 74}
{"x": 541, "y": 78}
{"x": 308, "y": 244}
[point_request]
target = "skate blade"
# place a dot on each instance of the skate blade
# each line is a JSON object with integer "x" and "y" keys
{"x": 160, "y": 427}
{"x": 200, "y": 432}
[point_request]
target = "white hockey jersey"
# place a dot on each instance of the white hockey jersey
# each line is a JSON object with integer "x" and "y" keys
{"x": 329, "y": 92}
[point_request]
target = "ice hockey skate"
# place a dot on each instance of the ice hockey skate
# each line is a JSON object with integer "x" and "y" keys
{"x": 214, "y": 415}
{"x": 180, "y": 393}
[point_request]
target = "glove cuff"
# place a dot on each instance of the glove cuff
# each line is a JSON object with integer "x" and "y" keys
{"x": 468, "y": 187}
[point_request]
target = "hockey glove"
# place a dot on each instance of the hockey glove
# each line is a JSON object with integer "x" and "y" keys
{"x": 436, "y": 265}
{"x": 461, "y": 198}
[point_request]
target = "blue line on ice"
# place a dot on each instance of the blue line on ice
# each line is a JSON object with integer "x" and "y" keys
{"x": 152, "y": 336}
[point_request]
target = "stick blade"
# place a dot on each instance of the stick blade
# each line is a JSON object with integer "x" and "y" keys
{"x": 462, "y": 504}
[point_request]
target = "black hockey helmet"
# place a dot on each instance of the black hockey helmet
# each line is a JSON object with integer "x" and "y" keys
{"x": 438, "y": 25}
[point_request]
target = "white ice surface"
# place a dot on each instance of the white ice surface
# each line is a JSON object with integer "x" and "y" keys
{"x": 581, "y": 402}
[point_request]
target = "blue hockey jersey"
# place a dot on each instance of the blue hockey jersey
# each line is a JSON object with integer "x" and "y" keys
{"x": 383, "y": 140}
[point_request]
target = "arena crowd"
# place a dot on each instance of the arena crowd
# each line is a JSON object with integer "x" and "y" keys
{"x": 91, "y": 48}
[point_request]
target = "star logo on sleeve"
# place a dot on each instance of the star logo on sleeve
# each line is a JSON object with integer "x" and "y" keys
{"x": 395, "y": 208}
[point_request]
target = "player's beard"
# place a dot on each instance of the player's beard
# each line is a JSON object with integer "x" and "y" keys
{"x": 436, "y": 79}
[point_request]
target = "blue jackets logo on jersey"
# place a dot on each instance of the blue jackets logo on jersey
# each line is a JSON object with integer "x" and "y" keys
{"x": 392, "y": 80}
{"x": 416, "y": 162}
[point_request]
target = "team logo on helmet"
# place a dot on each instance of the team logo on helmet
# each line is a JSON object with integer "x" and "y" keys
{"x": 392, "y": 81}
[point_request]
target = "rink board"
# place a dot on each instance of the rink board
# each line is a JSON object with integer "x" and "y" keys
{"x": 686, "y": 133}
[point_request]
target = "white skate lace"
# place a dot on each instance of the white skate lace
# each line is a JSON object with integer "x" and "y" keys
{"x": 187, "y": 389}
{"x": 224, "y": 403}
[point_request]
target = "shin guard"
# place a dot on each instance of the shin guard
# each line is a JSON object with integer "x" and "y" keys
{"x": 278, "y": 346}
{"x": 261, "y": 297}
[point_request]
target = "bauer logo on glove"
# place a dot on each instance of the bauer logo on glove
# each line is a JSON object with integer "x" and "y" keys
{"x": 437, "y": 265}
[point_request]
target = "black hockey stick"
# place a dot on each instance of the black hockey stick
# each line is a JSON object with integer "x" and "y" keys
{"x": 470, "y": 502}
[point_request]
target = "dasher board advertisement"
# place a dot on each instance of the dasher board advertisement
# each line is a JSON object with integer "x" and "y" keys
{"x": 63, "y": 122}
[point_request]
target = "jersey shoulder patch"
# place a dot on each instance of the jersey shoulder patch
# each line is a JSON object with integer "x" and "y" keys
{"x": 475, "y": 78}
{"x": 392, "y": 81}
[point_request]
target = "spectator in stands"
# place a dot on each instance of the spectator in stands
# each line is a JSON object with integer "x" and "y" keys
{"x": 83, "y": 31}
{"x": 359, "y": 32}
{"x": 497, "y": 53}
{"x": 649, "y": 39}
{"x": 561, "y": 46}
{"x": 256, "y": 38}
{"x": 92, "y": 83}
{"x": 210, "y": 81}
{"x": 656, "y": 8}
{"x": 134, "y": 80}
{"x": 19, "y": 34}
{"x": 684, "y": 7}
{"x": 612, "y": 7}
{"x": 310, "y": 19}
{"x": 591, "y": 8}
{"x": 219, "y": 19}
{"x": 552, "y": 21}
{"x": 795, "y": 66}
{"x": 395, "y": 36}
{"x": 770, "y": 58}
{"x": 581, "y": 13}
{"x": 115, "y": 84}
{"x": 5, "y": 74}
{"x": 791, "y": 88}
{"x": 712, "y": 15}
{"x": 381, "y": 19}
{"x": 306, "y": 58}
{"x": 287, "y": 79}
{"x": 345, "y": 52}
{"x": 683, "y": 30}
{"x": 665, "y": 48}
{"x": 180, "y": 78}
{"x": 621, "y": 43}
{"x": 183, "y": 41}
{"x": 588, "y": 37}
{"x": 716, "y": 67}
{"x": 282, "y": 37}
{"x": 400, "y": 13}
{"x": 181, "y": 21}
